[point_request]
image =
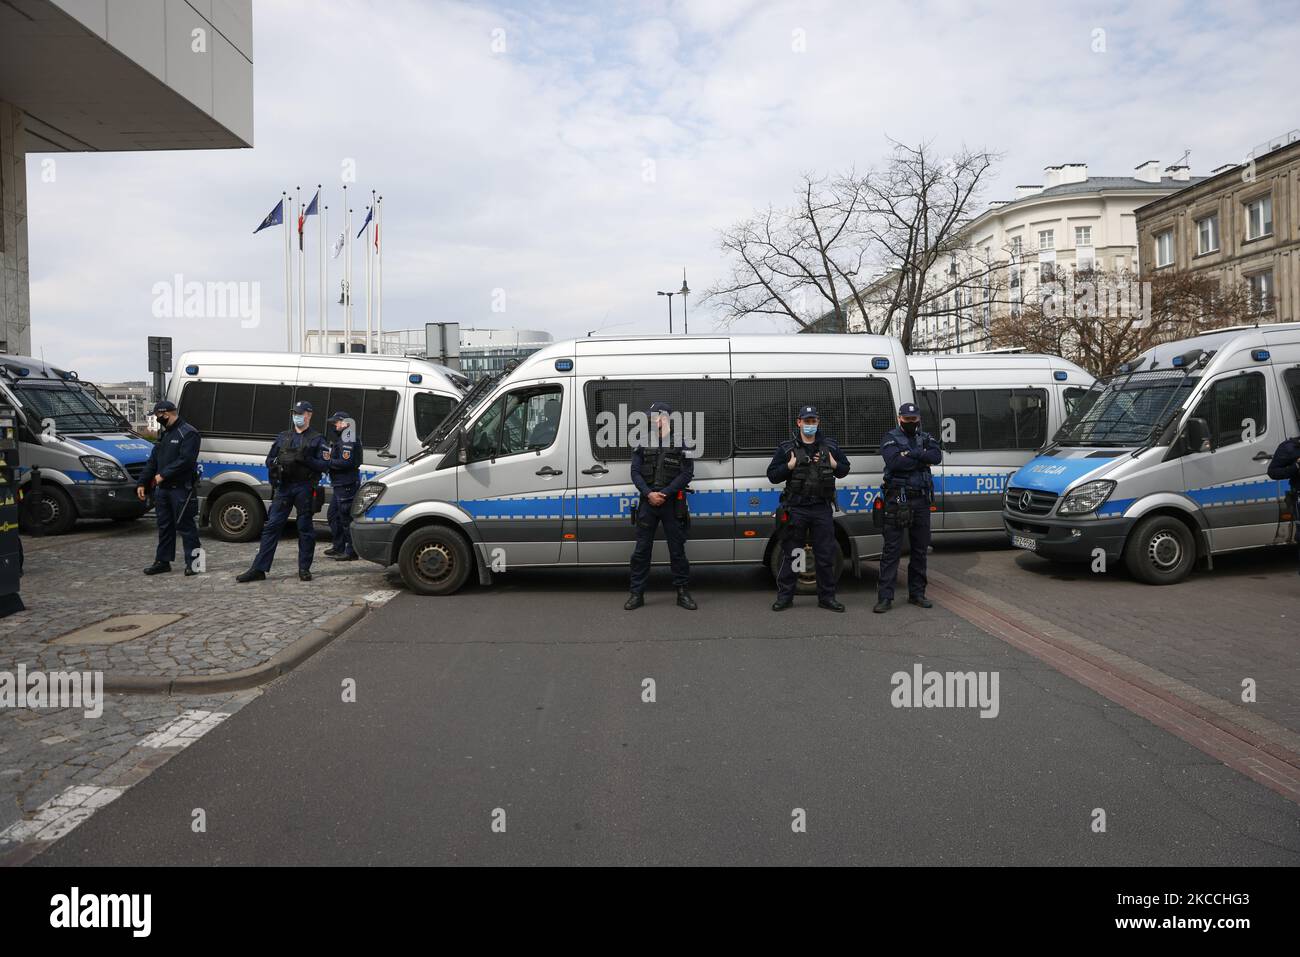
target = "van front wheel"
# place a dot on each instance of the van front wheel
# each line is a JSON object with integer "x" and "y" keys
{"x": 1160, "y": 551}
{"x": 434, "y": 561}
{"x": 49, "y": 513}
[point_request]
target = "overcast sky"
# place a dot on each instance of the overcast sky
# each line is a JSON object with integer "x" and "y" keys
{"x": 582, "y": 167}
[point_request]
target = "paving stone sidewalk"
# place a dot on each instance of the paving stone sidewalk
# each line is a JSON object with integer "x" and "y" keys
{"x": 94, "y": 574}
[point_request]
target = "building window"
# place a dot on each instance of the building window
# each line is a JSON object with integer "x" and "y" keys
{"x": 1261, "y": 291}
{"x": 1047, "y": 239}
{"x": 1207, "y": 235}
{"x": 1083, "y": 235}
{"x": 1259, "y": 217}
{"x": 1165, "y": 248}
{"x": 1017, "y": 245}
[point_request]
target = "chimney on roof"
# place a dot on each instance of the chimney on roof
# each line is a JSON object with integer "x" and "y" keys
{"x": 1148, "y": 172}
{"x": 1074, "y": 173}
{"x": 1179, "y": 174}
{"x": 1023, "y": 191}
{"x": 1051, "y": 176}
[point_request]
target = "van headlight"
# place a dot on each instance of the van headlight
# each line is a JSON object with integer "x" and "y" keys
{"x": 103, "y": 468}
{"x": 1088, "y": 497}
{"x": 367, "y": 495}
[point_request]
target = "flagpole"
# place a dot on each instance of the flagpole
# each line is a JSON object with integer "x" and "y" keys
{"x": 321, "y": 233}
{"x": 302, "y": 272}
{"x": 347, "y": 283}
{"x": 370, "y": 225}
{"x": 379, "y": 283}
{"x": 288, "y": 301}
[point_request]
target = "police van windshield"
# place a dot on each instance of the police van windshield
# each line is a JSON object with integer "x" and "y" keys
{"x": 72, "y": 407}
{"x": 1129, "y": 410}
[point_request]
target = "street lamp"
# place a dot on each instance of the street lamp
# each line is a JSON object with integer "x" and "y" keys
{"x": 684, "y": 292}
{"x": 670, "y": 309}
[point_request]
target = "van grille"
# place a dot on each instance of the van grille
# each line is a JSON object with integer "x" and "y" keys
{"x": 1036, "y": 503}
{"x": 135, "y": 471}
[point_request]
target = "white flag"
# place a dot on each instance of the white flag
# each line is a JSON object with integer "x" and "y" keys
{"x": 338, "y": 246}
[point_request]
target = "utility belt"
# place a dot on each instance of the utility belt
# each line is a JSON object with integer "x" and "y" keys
{"x": 681, "y": 511}
{"x": 895, "y": 506}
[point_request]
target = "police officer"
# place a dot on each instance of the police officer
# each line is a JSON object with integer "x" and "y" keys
{"x": 808, "y": 464}
{"x": 295, "y": 464}
{"x": 661, "y": 474}
{"x": 344, "y": 457}
{"x": 172, "y": 470}
{"x": 1284, "y": 466}
{"x": 908, "y": 491}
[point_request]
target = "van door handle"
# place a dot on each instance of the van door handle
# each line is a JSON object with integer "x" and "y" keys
{"x": 1261, "y": 457}
{"x": 386, "y": 455}
{"x": 596, "y": 469}
{"x": 547, "y": 470}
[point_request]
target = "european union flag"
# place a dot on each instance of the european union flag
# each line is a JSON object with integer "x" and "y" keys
{"x": 311, "y": 207}
{"x": 274, "y": 218}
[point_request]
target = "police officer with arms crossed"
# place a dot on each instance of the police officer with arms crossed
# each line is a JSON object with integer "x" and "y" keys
{"x": 295, "y": 464}
{"x": 1285, "y": 465}
{"x": 808, "y": 464}
{"x": 344, "y": 458}
{"x": 172, "y": 469}
{"x": 661, "y": 474}
{"x": 908, "y": 491}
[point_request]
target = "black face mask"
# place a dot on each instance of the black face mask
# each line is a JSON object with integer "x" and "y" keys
{"x": 911, "y": 428}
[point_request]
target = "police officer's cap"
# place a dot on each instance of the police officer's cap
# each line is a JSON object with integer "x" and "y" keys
{"x": 164, "y": 406}
{"x": 339, "y": 417}
{"x": 908, "y": 408}
{"x": 809, "y": 412}
{"x": 303, "y": 406}
{"x": 657, "y": 407}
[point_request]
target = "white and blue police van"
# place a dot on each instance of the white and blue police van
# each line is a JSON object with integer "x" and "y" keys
{"x": 1166, "y": 462}
{"x": 532, "y": 469}
{"x": 991, "y": 412}
{"x": 78, "y": 456}
{"x": 240, "y": 401}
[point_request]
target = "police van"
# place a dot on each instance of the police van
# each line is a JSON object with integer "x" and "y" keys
{"x": 992, "y": 412}
{"x": 1167, "y": 461}
{"x": 240, "y": 401}
{"x": 78, "y": 456}
{"x": 532, "y": 469}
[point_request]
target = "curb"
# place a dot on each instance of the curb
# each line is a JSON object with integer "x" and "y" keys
{"x": 282, "y": 663}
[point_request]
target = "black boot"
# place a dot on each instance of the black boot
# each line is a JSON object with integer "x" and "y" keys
{"x": 781, "y": 604}
{"x": 634, "y": 601}
{"x": 344, "y": 558}
{"x": 304, "y": 574}
{"x": 684, "y": 599}
{"x": 920, "y": 600}
{"x": 189, "y": 571}
{"x": 157, "y": 568}
{"x": 883, "y": 606}
{"x": 252, "y": 575}
{"x": 830, "y": 604}
{"x": 332, "y": 551}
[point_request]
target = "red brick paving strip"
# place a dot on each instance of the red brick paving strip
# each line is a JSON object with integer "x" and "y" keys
{"x": 1254, "y": 746}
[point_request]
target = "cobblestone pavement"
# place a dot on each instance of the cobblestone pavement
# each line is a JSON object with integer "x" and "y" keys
{"x": 57, "y": 766}
{"x": 1212, "y": 631}
{"x": 76, "y": 580}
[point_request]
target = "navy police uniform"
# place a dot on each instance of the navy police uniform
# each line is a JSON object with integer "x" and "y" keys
{"x": 1285, "y": 466}
{"x": 175, "y": 457}
{"x": 296, "y": 463}
{"x": 665, "y": 467}
{"x": 908, "y": 491}
{"x": 807, "y": 503}
{"x": 343, "y": 454}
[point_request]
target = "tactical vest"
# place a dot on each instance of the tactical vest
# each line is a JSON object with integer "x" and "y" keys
{"x": 810, "y": 480}
{"x": 924, "y": 478}
{"x": 660, "y": 466}
{"x": 293, "y": 460}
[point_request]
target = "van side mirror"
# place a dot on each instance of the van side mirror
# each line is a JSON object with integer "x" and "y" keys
{"x": 1196, "y": 436}
{"x": 462, "y": 450}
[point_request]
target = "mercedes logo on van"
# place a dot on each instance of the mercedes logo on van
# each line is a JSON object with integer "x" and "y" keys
{"x": 1025, "y": 500}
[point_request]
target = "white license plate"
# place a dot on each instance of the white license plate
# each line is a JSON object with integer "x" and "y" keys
{"x": 1020, "y": 541}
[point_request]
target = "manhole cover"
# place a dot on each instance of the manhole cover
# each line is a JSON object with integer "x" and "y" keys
{"x": 110, "y": 631}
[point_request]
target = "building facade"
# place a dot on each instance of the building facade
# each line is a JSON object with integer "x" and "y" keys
{"x": 482, "y": 351}
{"x": 1239, "y": 225}
{"x": 95, "y": 75}
{"x": 134, "y": 400}
{"x": 1070, "y": 221}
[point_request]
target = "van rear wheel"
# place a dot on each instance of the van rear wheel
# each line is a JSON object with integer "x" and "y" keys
{"x": 1160, "y": 551}
{"x": 434, "y": 561}
{"x": 236, "y": 516}
{"x": 806, "y": 580}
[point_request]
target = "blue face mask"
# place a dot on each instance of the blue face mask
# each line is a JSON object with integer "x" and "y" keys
{"x": 809, "y": 430}
{"x": 299, "y": 421}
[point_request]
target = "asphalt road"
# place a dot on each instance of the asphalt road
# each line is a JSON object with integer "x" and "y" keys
{"x": 527, "y": 698}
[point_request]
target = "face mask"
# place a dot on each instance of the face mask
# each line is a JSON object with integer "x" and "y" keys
{"x": 299, "y": 420}
{"x": 809, "y": 429}
{"x": 911, "y": 427}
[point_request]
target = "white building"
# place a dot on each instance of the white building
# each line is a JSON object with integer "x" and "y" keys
{"x": 95, "y": 75}
{"x": 482, "y": 351}
{"x": 1069, "y": 221}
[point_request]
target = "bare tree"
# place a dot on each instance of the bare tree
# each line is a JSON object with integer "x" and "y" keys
{"x": 802, "y": 262}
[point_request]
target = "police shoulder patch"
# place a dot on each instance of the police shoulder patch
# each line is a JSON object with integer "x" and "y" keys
{"x": 347, "y": 454}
